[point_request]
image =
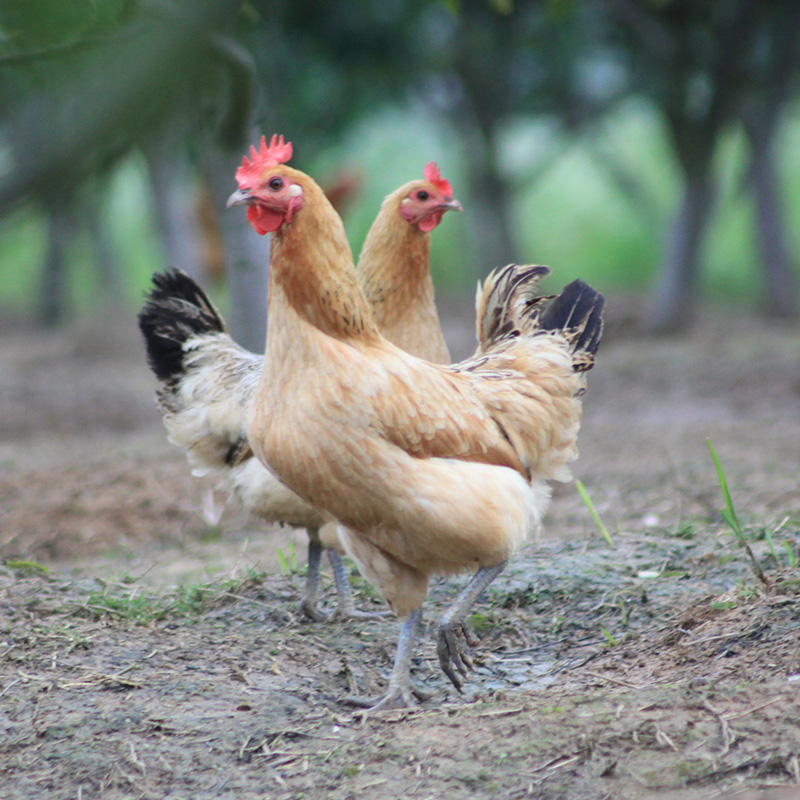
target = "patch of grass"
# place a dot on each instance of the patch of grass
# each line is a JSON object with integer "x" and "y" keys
{"x": 518, "y": 598}
{"x": 24, "y": 567}
{"x": 132, "y": 606}
{"x": 479, "y": 622}
{"x": 124, "y": 600}
{"x": 364, "y": 587}
{"x": 686, "y": 531}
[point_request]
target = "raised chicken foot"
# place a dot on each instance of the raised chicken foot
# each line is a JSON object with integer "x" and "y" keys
{"x": 401, "y": 692}
{"x": 345, "y": 606}
{"x": 454, "y": 635}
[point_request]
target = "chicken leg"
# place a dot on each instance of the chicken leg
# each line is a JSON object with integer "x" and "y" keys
{"x": 345, "y": 606}
{"x": 400, "y": 690}
{"x": 454, "y": 635}
{"x": 309, "y": 602}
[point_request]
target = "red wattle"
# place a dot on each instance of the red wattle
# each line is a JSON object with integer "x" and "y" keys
{"x": 427, "y": 224}
{"x": 262, "y": 219}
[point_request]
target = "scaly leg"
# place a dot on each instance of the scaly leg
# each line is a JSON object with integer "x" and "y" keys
{"x": 310, "y": 600}
{"x": 454, "y": 635}
{"x": 345, "y": 607}
{"x": 401, "y": 691}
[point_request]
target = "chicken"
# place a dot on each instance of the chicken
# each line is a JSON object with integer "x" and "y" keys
{"x": 393, "y": 267}
{"x": 209, "y": 381}
{"x": 428, "y": 469}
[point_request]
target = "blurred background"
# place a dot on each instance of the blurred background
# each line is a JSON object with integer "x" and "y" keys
{"x": 650, "y": 146}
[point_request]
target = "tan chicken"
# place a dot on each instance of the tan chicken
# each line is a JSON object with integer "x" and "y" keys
{"x": 429, "y": 469}
{"x": 208, "y": 381}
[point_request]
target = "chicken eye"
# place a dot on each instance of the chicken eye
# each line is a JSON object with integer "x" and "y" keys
{"x": 276, "y": 184}
{"x": 422, "y": 195}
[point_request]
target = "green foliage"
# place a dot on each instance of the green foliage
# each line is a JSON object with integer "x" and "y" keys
{"x": 577, "y": 132}
{"x": 45, "y": 23}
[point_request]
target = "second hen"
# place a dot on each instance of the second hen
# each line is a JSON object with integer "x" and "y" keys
{"x": 429, "y": 469}
{"x": 208, "y": 381}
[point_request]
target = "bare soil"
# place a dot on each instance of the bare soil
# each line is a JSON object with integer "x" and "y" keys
{"x": 150, "y": 648}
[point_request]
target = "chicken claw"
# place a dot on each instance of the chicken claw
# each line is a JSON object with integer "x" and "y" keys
{"x": 454, "y": 635}
{"x": 454, "y": 638}
{"x": 401, "y": 691}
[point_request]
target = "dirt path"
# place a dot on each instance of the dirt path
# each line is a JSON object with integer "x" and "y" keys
{"x": 160, "y": 656}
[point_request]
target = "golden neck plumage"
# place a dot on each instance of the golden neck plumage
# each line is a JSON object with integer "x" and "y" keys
{"x": 394, "y": 272}
{"x": 392, "y": 240}
{"x": 311, "y": 271}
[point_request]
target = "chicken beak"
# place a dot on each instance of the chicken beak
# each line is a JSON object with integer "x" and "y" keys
{"x": 238, "y": 198}
{"x": 451, "y": 205}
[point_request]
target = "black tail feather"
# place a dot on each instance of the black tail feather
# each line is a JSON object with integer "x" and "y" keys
{"x": 578, "y": 312}
{"x": 176, "y": 310}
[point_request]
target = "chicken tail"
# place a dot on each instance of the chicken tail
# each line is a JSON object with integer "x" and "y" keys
{"x": 177, "y": 310}
{"x": 502, "y": 299}
{"x": 507, "y": 305}
{"x": 578, "y": 314}
{"x": 207, "y": 379}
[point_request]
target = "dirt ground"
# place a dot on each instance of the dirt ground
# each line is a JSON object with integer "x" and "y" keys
{"x": 149, "y": 648}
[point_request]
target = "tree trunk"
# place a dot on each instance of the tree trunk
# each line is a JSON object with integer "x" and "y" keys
{"x": 175, "y": 200}
{"x": 780, "y": 281}
{"x": 674, "y": 298}
{"x": 489, "y": 206}
{"x": 104, "y": 250}
{"x": 246, "y": 256}
{"x": 53, "y": 294}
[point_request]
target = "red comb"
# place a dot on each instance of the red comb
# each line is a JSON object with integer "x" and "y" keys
{"x": 432, "y": 174}
{"x": 278, "y": 152}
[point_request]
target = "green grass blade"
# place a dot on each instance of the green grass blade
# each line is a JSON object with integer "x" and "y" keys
{"x": 282, "y": 560}
{"x": 593, "y": 511}
{"x": 723, "y": 483}
{"x": 609, "y": 638}
{"x": 728, "y": 514}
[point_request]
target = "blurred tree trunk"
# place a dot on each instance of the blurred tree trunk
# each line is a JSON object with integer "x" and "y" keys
{"x": 673, "y": 301}
{"x": 761, "y": 114}
{"x": 489, "y": 204}
{"x": 780, "y": 281}
{"x": 246, "y": 255}
{"x": 53, "y": 290}
{"x": 479, "y": 110}
{"x": 175, "y": 199}
{"x": 105, "y": 253}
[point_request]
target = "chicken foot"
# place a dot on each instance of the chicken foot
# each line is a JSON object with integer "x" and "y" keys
{"x": 401, "y": 691}
{"x": 454, "y": 635}
{"x": 345, "y": 605}
{"x": 309, "y": 603}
